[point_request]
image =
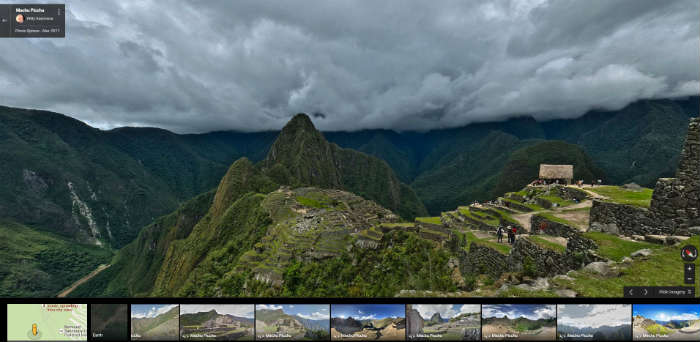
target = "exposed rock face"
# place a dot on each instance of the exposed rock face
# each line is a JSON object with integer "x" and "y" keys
{"x": 601, "y": 268}
{"x": 414, "y": 320}
{"x": 641, "y": 253}
{"x": 436, "y": 318}
{"x": 346, "y": 326}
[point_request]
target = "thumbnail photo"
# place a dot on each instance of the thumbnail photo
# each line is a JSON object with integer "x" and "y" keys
{"x": 586, "y": 322}
{"x": 154, "y": 322}
{"x": 200, "y": 322}
{"x": 47, "y": 322}
{"x": 443, "y": 322}
{"x": 292, "y": 322}
{"x": 364, "y": 322}
{"x": 108, "y": 322}
{"x": 525, "y": 322}
{"x": 677, "y": 322}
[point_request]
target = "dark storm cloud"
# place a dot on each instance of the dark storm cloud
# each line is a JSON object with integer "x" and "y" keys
{"x": 249, "y": 65}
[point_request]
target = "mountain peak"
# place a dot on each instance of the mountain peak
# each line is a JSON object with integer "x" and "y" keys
{"x": 303, "y": 150}
{"x": 300, "y": 121}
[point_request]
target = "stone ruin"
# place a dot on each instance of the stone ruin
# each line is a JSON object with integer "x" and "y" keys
{"x": 675, "y": 204}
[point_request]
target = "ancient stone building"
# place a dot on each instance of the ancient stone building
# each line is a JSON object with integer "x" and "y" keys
{"x": 676, "y": 201}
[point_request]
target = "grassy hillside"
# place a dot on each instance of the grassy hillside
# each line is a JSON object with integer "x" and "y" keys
{"x": 120, "y": 179}
{"x": 164, "y": 326}
{"x": 136, "y": 266}
{"x": 34, "y": 263}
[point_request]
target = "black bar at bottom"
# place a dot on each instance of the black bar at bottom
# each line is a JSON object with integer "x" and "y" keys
{"x": 658, "y": 292}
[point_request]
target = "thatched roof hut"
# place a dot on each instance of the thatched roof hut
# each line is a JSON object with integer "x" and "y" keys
{"x": 563, "y": 172}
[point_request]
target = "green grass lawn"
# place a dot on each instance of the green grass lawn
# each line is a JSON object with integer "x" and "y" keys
{"x": 400, "y": 224}
{"x": 311, "y": 202}
{"x": 505, "y": 216}
{"x": 430, "y": 220}
{"x": 547, "y": 244}
{"x": 614, "y": 248}
{"x": 662, "y": 268}
{"x": 502, "y": 248}
{"x": 553, "y": 218}
{"x": 640, "y": 198}
{"x": 479, "y": 216}
{"x": 658, "y": 329}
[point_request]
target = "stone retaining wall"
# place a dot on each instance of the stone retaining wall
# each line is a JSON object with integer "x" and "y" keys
{"x": 571, "y": 193}
{"x": 676, "y": 201}
{"x": 515, "y": 206}
{"x": 623, "y": 219}
{"x": 545, "y": 262}
{"x": 576, "y": 242}
{"x": 483, "y": 260}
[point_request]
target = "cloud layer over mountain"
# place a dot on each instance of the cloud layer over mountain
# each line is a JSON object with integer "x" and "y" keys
{"x": 250, "y": 65}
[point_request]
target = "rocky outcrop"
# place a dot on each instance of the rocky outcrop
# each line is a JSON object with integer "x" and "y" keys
{"x": 414, "y": 320}
{"x": 346, "y": 326}
{"x": 435, "y": 319}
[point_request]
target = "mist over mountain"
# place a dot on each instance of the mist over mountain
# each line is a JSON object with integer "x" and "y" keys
{"x": 393, "y": 65}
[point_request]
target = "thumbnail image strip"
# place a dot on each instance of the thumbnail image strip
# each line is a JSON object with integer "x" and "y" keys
{"x": 108, "y": 322}
{"x": 525, "y": 322}
{"x": 597, "y": 322}
{"x": 668, "y": 322}
{"x": 443, "y": 322}
{"x": 363, "y": 322}
{"x": 292, "y": 322}
{"x": 48, "y": 322}
{"x": 229, "y": 322}
{"x": 152, "y": 322}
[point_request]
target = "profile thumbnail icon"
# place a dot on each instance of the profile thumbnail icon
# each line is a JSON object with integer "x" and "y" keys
{"x": 20, "y": 18}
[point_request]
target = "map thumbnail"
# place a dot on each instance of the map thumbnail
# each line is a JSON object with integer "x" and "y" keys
{"x": 154, "y": 322}
{"x": 586, "y": 322}
{"x": 525, "y": 322}
{"x": 292, "y": 322}
{"x": 201, "y": 322}
{"x": 108, "y": 322}
{"x": 444, "y": 322}
{"x": 47, "y": 322}
{"x": 368, "y": 322}
{"x": 679, "y": 322}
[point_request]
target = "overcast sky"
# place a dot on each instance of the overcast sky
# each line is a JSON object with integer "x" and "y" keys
{"x": 594, "y": 316}
{"x": 195, "y": 66}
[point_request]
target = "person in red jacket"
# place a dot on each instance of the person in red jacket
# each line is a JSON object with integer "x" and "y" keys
{"x": 513, "y": 232}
